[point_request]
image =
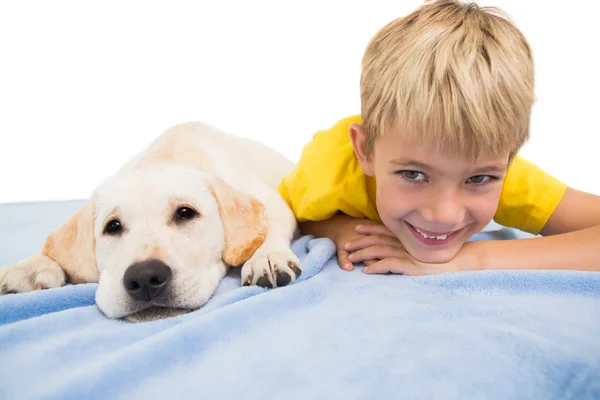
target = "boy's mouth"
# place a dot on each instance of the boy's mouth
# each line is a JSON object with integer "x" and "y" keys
{"x": 433, "y": 238}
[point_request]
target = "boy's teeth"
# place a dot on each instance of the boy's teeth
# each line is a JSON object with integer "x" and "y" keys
{"x": 441, "y": 237}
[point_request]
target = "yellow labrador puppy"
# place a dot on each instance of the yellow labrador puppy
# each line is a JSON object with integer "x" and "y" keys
{"x": 160, "y": 234}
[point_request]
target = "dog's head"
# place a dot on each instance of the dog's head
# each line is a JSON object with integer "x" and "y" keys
{"x": 160, "y": 239}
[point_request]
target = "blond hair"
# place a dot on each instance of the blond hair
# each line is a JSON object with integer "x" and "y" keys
{"x": 455, "y": 75}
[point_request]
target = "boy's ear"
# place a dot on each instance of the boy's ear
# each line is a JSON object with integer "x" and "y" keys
{"x": 359, "y": 142}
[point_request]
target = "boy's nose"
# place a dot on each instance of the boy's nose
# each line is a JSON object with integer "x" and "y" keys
{"x": 446, "y": 210}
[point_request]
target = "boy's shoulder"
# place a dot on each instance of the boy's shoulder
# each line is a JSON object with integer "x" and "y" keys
{"x": 337, "y": 135}
{"x": 329, "y": 155}
{"x": 529, "y": 196}
{"x": 328, "y": 177}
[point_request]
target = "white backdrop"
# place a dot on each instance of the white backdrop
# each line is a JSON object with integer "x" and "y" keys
{"x": 85, "y": 85}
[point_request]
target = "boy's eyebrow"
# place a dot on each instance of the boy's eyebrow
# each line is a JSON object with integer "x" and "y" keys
{"x": 419, "y": 165}
{"x": 412, "y": 163}
{"x": 493, "y": 168}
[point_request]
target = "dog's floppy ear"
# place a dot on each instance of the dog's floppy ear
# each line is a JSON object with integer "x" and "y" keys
{"x": 244, "y": 222}
{"x": 72, "y": 246}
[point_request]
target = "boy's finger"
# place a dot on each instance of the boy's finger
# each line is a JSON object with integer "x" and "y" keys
{"x": 343, "y": 260}
{"x": 375, "y": 252}
{"x": 369, "y": 229}
{"x": 389, "y": 265}
{"x": 371, "y": 240}
{"x": 401, "y": 266}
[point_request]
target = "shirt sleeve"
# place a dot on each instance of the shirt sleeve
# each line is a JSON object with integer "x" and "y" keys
{"x": 529, "y": 197}
{"x": 328, "y": 179}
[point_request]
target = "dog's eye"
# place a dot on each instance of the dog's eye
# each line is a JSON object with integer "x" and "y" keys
{"x": 113, "y": 227}
{"x": 185, "y": 213}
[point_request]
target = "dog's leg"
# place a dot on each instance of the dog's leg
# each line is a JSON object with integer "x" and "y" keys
{"x": 67, "y": 255}
{"x": 274, "y": 264}
{"x": 33, "y": 273}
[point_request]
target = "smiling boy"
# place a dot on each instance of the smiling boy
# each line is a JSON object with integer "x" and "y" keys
{"x": 446, "y": 98}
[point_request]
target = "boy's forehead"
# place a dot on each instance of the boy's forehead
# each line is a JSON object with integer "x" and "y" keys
{"x": 398, "y": 150}
{"x": 439, "y": 135}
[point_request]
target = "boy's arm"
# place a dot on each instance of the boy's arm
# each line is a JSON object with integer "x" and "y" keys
{"x": 328, "y": 228}
{"x": 576, "y": 210}
{"x": 571, "y": 240}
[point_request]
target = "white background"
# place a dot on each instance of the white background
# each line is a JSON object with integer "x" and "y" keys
{"x": 85, "y": 85}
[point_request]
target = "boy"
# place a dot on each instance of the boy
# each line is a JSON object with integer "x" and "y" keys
{"x": 446, "y": 97}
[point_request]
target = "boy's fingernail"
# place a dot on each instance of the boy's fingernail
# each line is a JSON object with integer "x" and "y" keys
{"x": 347, "y": 246}
{"x": 366, "y": 270}
{"x": 350, "y": 256}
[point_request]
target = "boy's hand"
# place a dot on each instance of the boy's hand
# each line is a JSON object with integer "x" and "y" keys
{"x": 373, "y": 242}
{"x": 347, "y": 233}
{"x": 341, "y": 229}
{"x": 383, "y": 253}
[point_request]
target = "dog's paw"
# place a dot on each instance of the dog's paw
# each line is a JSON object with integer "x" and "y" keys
{"x": 34, "y": 273}
{"x": 271, "y": 268}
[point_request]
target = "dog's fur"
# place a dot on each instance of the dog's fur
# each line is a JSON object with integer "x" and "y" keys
{"x": 241, "y": 220}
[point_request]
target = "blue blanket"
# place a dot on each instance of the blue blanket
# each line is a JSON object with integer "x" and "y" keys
{"x": 333, "y": 334}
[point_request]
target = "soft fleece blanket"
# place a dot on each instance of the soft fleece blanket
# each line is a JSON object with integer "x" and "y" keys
{"x": 331, "y": 335}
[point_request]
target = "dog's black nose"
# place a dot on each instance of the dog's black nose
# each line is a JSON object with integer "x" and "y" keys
{"x": 147, "y": 279}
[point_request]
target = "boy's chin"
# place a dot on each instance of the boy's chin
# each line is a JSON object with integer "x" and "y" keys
{"x": 435, "y": 256}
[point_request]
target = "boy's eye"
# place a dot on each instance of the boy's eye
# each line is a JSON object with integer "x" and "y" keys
{"x": 479, "y": 178}
{"x": 413, "y": 175}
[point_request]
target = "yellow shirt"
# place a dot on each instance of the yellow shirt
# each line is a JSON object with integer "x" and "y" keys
{"x": 328, "y": 179}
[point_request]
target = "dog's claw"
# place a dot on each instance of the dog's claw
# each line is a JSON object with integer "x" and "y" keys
{"x": 271, "y": 269}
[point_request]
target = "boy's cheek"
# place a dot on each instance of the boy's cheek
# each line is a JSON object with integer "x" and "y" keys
{"x": 393, "y": 201}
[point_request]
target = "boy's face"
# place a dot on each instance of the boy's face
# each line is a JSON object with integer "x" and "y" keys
{"x": 432, "y": 201}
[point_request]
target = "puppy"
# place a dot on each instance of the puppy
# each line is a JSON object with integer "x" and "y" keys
{"x": 160, "y": 234}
